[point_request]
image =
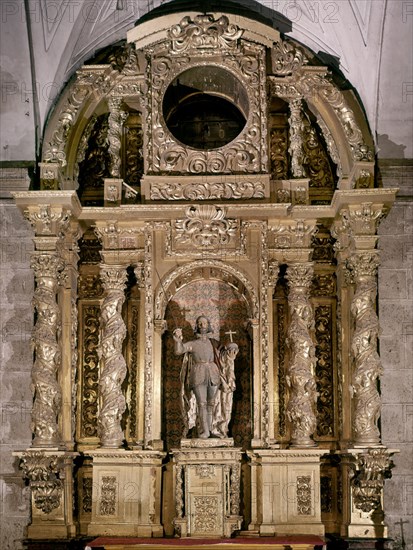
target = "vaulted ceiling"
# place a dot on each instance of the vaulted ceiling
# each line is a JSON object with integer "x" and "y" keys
{"x": 44, "y": 41}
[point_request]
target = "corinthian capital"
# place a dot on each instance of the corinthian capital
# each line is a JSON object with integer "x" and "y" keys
{"x": 364, "y": 264}
{"x": 113, "y": 277}
{"x": 46, "y": 265}
{"x": 300, "y": 275}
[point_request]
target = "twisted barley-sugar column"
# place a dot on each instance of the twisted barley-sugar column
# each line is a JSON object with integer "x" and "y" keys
{"x": 46, "y": 390}
{"x": 367, "y": 366}
{"x": 300, "y": 375}
{"x": 113, "y": 332}
{"x": 116, "y": 120}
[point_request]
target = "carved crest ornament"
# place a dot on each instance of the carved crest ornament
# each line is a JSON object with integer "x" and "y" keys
{"x": 272, "y": 231}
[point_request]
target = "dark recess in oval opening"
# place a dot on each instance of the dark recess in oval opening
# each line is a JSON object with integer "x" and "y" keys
{"x": 205, "y": 107}
{"x": 205, "y": 121}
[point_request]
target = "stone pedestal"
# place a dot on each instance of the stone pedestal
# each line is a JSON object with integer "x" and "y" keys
{"x": 126, "y": 493}
{"x": 285, "y": 492}
{"x": 207, "y": 490}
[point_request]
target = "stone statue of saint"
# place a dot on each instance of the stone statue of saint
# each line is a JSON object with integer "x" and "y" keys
{"x": 208, "y": 380}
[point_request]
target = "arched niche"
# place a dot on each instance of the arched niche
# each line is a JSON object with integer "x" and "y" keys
{"x": 226, "y": 296}
{"x": 227, "y": 311}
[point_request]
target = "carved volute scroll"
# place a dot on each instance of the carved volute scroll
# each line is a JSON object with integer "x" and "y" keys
{"x": 300, "y": 375}
{"x": 114, "y": 369}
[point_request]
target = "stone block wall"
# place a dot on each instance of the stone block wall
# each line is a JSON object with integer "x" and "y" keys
{"x": 16, "y": 323}
{"x": 396, "y": 348}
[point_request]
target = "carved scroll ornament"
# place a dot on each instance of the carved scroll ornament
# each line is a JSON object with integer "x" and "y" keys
{"x": 287, "y": 58}
{"x": 243, "y": 189}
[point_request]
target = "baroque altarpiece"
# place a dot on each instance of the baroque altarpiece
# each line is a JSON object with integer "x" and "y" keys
{"x": 206, "y": 166}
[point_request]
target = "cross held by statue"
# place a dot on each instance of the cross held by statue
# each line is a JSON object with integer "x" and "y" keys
{"x": 230, "y": 333}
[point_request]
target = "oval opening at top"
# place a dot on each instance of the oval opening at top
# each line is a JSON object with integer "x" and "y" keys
{"x": 205, "y": 107}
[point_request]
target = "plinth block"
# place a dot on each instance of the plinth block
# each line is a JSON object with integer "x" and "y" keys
{"x": 285, "y": 490}
{"x": 126, "y": 493}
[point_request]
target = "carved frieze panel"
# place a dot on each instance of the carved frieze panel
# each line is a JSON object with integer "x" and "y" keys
{"x": 291, "y": 234}
{"x": 108, "y": 496}
{"x": 304, "y": 496}
{"x": 115, "y": 236}
{"x": 207, "y": 514}
{"x": 200, "y": 188}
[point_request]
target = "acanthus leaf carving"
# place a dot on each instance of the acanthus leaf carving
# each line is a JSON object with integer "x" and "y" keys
{"x": 287, "y": 58}
{"x": 207, "y": 191}
{"x": 205, "y": 226}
